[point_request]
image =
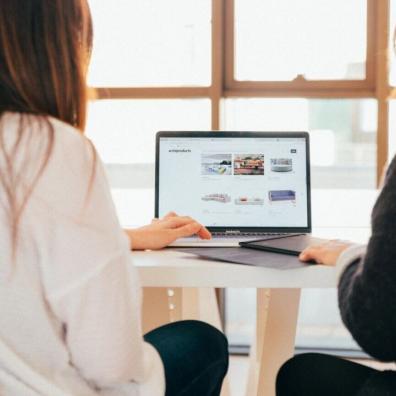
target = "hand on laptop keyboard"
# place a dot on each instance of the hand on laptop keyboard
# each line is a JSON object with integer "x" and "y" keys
{"x": 162, "y": 232}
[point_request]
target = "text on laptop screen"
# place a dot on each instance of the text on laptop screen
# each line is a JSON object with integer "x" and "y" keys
{"x": 235, "y": 182}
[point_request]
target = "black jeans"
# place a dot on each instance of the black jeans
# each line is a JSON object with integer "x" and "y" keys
{"x": 314, "y": 374}
{"x": 195, "y": 357}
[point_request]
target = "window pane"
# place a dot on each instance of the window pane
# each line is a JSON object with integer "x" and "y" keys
{"x": 343, "y": 134}
{"x": 240, "y": 315}
{"x": 343, "y": 156}
{"x": 124, "y": 131}
{"x": 319, "y": 322}
{"x": 276, "y": 40}
{"x": 392, "y": 130}
{"x": 151, "y": 43}
{"x": 392, "y": 46}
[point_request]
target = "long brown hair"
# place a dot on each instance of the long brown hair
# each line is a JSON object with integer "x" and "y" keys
{"x": 44, "y": 53}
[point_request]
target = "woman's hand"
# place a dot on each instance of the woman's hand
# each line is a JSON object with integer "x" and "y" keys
{"x": 326, "y": 253}
{"x": 162, "y": 232}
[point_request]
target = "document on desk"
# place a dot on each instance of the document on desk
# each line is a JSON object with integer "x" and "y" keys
{"x": 253, "y": 257}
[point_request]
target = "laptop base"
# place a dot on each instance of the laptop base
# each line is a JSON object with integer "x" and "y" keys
{"x": 225, "y": 241}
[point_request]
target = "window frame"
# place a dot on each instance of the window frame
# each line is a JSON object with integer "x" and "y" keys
{"x": 223, "y": 83}
{"x": 300, "y": 85}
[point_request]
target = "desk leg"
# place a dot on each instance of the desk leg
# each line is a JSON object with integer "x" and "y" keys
{"x": 156, "y": 311}
{"x": 277, "y": 312}
{"x": 162, "y": 305}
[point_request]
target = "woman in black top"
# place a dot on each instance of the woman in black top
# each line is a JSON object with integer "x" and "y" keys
{"x": 367, "y": 301}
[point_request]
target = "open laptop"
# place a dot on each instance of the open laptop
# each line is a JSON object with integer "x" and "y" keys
{"x": 240, "y": 185}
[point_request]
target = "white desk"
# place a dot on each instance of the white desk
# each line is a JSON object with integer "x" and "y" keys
{"x": 341, "y": 214}
{"x": 169, "y": 268}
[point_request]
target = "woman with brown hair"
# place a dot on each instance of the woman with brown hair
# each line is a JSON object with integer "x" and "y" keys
{"x": 69, "y": 295}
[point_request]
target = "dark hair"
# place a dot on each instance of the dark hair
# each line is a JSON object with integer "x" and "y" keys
{"x": 44, "y": 52}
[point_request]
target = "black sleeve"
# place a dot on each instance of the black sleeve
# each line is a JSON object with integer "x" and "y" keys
{"x": 367, "y": 288}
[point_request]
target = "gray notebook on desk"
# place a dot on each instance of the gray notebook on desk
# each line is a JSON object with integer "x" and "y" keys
{"x": 247, "y": 257}
{"x": 292, "y": 245}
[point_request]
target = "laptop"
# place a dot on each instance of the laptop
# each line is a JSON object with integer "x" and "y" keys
{"x": 241, "y": 185}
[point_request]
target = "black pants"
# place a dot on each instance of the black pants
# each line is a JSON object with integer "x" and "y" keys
{"x": 314, "y": 374}
{"x": 195, "y": 357}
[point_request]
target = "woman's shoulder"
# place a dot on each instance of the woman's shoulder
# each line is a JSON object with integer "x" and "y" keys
{"x": 67, "y": 132}
{"x": 64, "y": 133}
{"x": 63, "y": 157}
{"x": 73, "y": 147}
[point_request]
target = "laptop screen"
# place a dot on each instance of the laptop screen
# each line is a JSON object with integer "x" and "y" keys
{"x": 244, "y": 181}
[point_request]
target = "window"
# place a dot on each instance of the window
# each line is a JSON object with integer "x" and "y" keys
{"x": 281, "y": 40}
{"x": 132, "y": 125}
{"x": 123, "y": 132}
{"x": 319, "y": 322}
{"x": 342, "y": 133}
{"x": 151, "y": 43}
{"x": 244, "y": 64}
{"x": 392, "y": 47}
{"x": 392, "y": 129}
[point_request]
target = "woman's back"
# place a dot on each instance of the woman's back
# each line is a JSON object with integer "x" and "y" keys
{"x": 72, "y": 264}
{"x": 70, "y": 299}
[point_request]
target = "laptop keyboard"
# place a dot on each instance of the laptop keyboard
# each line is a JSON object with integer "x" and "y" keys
{"x": 246, "y": 234}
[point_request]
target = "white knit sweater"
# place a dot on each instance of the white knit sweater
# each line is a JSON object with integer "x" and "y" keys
{"x": 70, "y": 306}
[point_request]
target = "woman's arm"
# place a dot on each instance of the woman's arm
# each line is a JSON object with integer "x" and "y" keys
{"x": 367, "y": 287}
